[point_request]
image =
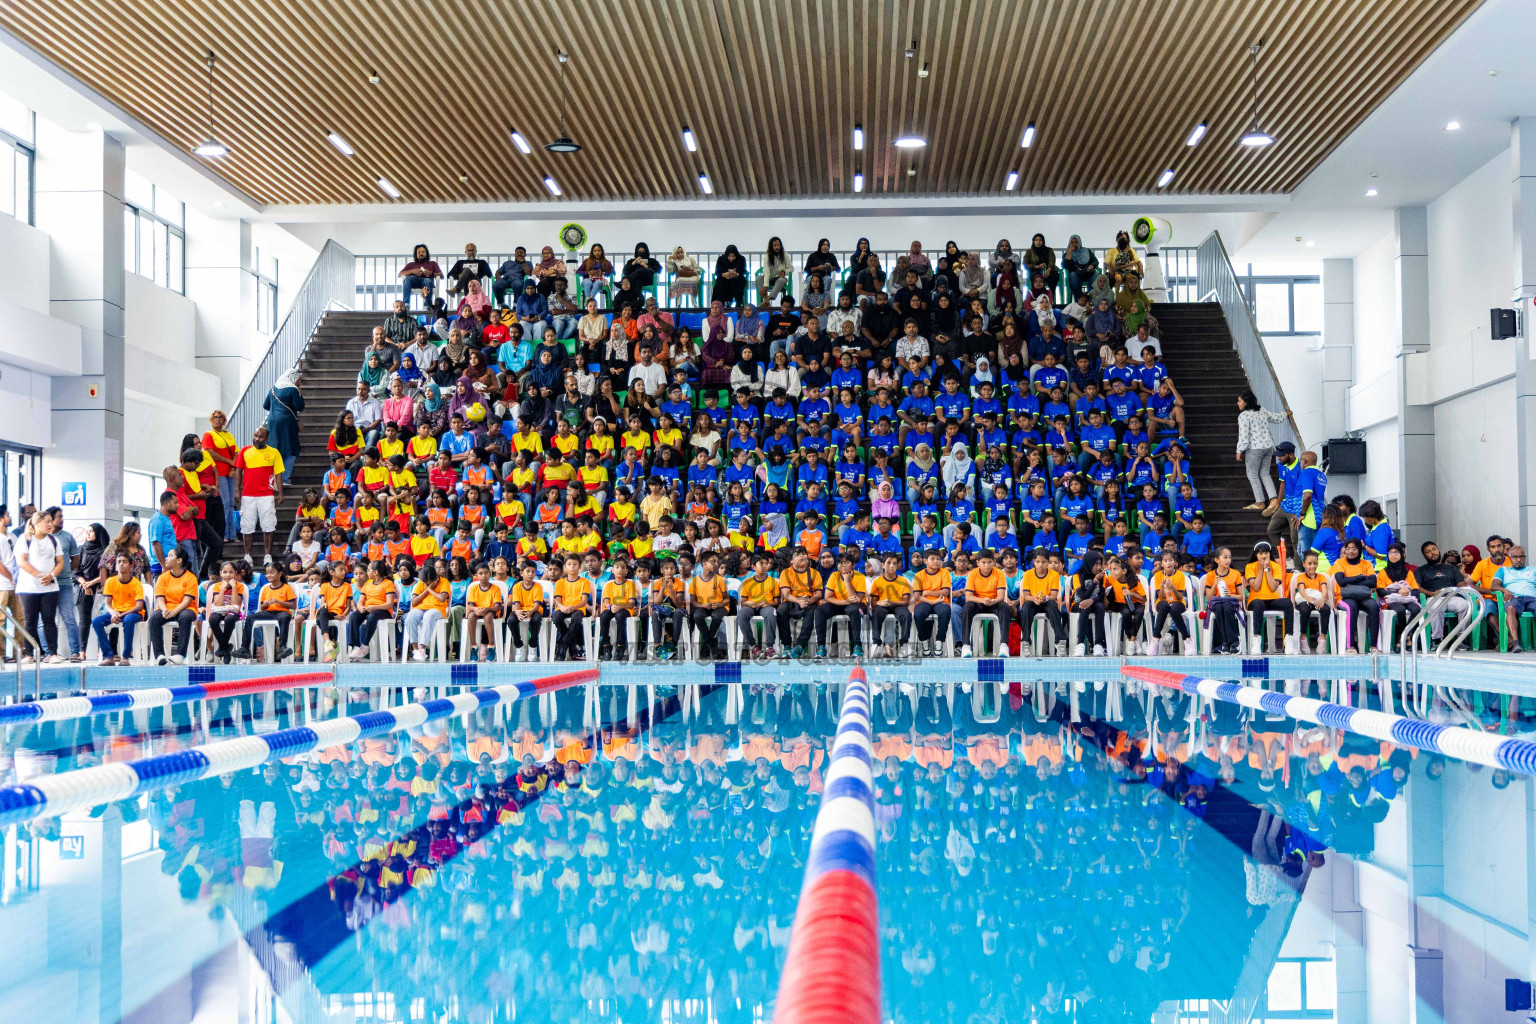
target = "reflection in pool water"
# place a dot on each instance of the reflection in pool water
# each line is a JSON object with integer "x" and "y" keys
{"x": 609, "y": 855}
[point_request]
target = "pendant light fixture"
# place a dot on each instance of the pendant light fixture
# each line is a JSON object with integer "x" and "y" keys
{"x": 1256, "y": 137}
{"x": 210, "y": 147}
{"x": 563, "y": 143}
{"x": 911, "y": 140}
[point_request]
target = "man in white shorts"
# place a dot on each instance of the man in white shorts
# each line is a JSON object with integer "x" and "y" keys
{"x": 258, "y": 489}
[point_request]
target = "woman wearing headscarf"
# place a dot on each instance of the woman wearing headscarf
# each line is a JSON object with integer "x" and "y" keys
{"x": 546, "y": 374}
{"x": 859, "y": 258}
{"x": 628, "y": 296}
{"x": 1121, "y": 259}
{"x": 959, "y": 468}
{"x": 884, "y": 505}
{"x": 730, "y": 277}
{"x": 1004, "y": 251}
{"x": 548, "y": 270}
{"x": 455, "y": 350}
{"x": 1040, "y": 259}
{"x": 917, "y": 261}
{"x": 922, "y": 468}
{"x": 475, "y": 300}
{"x": 773, "y": 276}
{"x": 971, "y": 276}
{"x": 90, "y": 575}
{"x": 431, "y": 409}
{"x": 373, "y": 374}
{"x": 1103, "y": 325}
{"x": 616, "y": 349}
{"x": 718, "y": 352}
{"x": 983, "y": 375}
{"x": 746, "y": 373}
{"x": 1103, "y": 288}
{"x": 1080, "y": 264}
{"x": 748, "y": 329}
{"x": 824, "y": 262}
{"x": 464, "y": 396}
{"x": 283, "y": 404}
{"x": 1132, "y": 305}
{"x": 409, "y": 374}
{"x": 685, "y": 275}
{"x": 443, "y": 374}
{"x": 642, "y": 268}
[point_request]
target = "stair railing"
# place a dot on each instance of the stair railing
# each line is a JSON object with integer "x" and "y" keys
{"x": 1216, "y": 280}
{"x": 331, "y": 284}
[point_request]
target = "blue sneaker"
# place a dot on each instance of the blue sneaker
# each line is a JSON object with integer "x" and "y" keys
{"x": 821, "y": 652}
{"x": 858, "y": 650}
{"x": 797, "y": 652}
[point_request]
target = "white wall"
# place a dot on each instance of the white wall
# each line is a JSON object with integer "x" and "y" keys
{"x": 165, "y": 394}
{"x": 1375, "y": 346}
{"x": 27, "y": 400}
{"x": 1298, "y": 363}
{"x": 1476, "y": 488}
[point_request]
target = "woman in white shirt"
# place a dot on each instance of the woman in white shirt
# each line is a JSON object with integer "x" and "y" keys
{"x": 39, "y": 561}
{"x": 783, "y": 374}
{"x": 686, "y": 278}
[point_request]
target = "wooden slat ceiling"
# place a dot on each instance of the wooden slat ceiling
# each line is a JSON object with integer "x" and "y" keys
{"x": 771, "y": 88}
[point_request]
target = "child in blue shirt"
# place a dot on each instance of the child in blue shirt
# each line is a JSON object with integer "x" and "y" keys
{"x": 858, "y": 535}
{"x": 1077, "y": 543}
{"x": 1185, "y": 508}
{"x": 927, "y": 538}
{"x": 1197, "y": 539}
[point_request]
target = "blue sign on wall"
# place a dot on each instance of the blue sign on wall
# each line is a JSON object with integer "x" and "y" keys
{"x": 74, "y": 495}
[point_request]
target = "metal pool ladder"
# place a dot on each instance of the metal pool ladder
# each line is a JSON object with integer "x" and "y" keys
{"x": 1414, "y": 640}
{"x": 9, "y": 628}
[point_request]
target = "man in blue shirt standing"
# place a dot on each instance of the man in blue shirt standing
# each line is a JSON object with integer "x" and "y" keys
{"x": 1312, "y": 483}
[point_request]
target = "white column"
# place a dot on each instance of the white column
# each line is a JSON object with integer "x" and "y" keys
{"x": 1523, "y": 155}
{"x": 219, "y": 280}
{"x": 1348, "y": 940}
{"x": 1416, "y": 423}
{"x": 1338, "y": 345}
{"x": 80, "y": 205}
{"x": 1425, "y": 880}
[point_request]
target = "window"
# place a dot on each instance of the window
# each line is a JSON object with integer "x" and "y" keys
{"x": 19, "y": 477}
{"x": 266, "y": 292}
{"x": 141, "y": 492}
{"x": 1284, "y": 301}
{"x": 154, "y": 235}
{"x": 18, "y": 159}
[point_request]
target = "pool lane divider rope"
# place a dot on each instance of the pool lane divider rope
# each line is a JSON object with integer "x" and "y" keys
{"x": 832, "y": 971}
{"x": 52, "y": 795}
{"x": 63, "y": 708}
{"x": 1452, "y": 740}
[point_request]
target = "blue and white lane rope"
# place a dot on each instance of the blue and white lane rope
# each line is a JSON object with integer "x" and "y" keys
{"x": 63, "y": 708}
{"x": 832, "y": 970}
{"x": 52, "y": 795}
{"x": 1452, "y": 740}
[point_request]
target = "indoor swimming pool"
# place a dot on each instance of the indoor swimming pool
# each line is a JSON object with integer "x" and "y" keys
{"x": 601, "y": 847}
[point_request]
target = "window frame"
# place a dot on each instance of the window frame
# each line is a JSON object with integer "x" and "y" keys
{"x": 29, "y": 150}
{"x": 175, "y": 275}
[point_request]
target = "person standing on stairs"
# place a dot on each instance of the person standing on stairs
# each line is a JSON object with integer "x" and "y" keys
{"x": 1256, "y": 450}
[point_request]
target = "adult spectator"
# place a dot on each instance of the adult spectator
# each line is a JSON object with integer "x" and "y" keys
{"x": 10, "y": 604}
{"x": 649, "y": 372}
{"x": 773, "y": 277}
{"x": 642, "y": 267}
{"x": 176, "y": 603}
{"x": 90, "y": 572}
{"x": 69, "y": 552}
{"x": 421, "y": 348}
{"x": 686, "y": 275}
{"x": 367, "y": 413}
{"x": 595, "y": 273}
{"x": 400, "y": 327}
{"x": 220, "y": 446}
{"x": 1256, "y": 451}
{"x": 548, "y": 270}
{"x": 730, "y": 278}
{"x": 1517, "y": 582}
{"x": 782, "y": 325}
{"x": 869, "y": 282}
{"x": 511, "y": 275}
{"x": 1132, "y": 305}
{"x": 259, "y": 489}
{"x": 419, "y": 274}
{"x": 880, "y": 327}
{"x": 1040, "y": 261}
{"x": 40, "y": 561}
{"x": 187, "y": 480}
{"x": 654, "y": 318}
{"x": 27, "y": 512}
{"x": 1122, "y": 260}
{"x": 469, "y": 267}
{"x": 532, "y": 310}
{"x": 283, "y": 404}
{"x": 562, "y": 311}
{"x": 381, "y": 347}
{"x": 1081, "y": 265}
{"x": 822, "y": 263}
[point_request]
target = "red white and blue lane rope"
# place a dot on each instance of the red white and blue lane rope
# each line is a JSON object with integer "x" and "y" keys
{"x": 64, "y": 708}
{"x": 51, "y": 795}
{"x": 1452, "y": 740}
{"x": 832, "y": 972}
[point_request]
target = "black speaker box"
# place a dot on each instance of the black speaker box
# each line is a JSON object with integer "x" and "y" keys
{"x": 1345, "y": 456}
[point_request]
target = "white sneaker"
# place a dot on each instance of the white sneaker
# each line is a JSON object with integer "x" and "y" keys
{"x": 1098, "y": 650}
{"x": 1256, "y": 645}
{"x": 1167, "y": 643}
{"x": 1026, "y": 650}
{"x": 1152, "y": 648}
{"x": 1002, "y": 652}
{"x": 1290, "y": 645}
{"x": 965, "y": 651}
{"x": 177, "y": 659}
{"x": 1189, "y": 648}
{"x": 418, "y": 655}
{"x": 1079, "y": 651}
{"x": 1061, "y": 648}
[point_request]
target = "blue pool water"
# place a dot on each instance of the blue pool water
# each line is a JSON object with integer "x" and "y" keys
{"x": 621, "y": 852}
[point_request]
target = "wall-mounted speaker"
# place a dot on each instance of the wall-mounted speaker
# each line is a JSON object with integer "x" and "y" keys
{"x": 1344, "y": 456}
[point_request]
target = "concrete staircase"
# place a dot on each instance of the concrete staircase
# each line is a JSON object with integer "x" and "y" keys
{"x": 1197, "y": 349}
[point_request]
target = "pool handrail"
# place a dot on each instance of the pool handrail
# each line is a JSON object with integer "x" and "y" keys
{"x": 832, "y": 970}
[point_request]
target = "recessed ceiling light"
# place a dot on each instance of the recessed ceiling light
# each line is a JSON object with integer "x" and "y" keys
{"x": 520, "y": 142}
{"x": 705, "y": 185}
{"x": 340, "y": 143}
{"x": 1196, "y": 135}
{"x": 1310, "y": 243}
{"x": 93, "y": 126}
{"x": 389, "y": 189}
{"x": 1370, "y": 192}
{"x": 218, "y": 204}
{"x": 858, "y": 136}
{"x": 689, "y": 141}
{"x": 1012, "y": 182}
{"x": 549, "y": 183}
{"x": 910, "y": 142}
{"x": 858, "y": 181}
{"x": 1453, "y": 126}
{"x": 1165, "y": 179}
{"x": 1029, "y": 136}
